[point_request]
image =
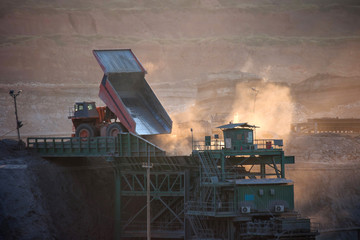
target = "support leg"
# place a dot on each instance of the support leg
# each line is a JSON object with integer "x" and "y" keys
{"x": 117, "y": 225}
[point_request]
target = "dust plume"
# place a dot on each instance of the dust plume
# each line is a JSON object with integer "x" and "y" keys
{"x": 267, "y": 105}
{"x": 329, "y": 195}
{"x": 150, "y": 67}
{"x": 264, "y": 104}
{"x": 186, "y": 129}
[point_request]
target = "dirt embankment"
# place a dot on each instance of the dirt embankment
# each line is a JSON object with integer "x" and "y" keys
{"x": 325, "y": 94}
{"x": 324, "y": 148}
{"x": 43, "y": 199}
{"x": 326, "y": 175}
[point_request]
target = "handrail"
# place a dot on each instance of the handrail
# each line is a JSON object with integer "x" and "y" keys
{"x": 219, "y": 207}
{"x": 156, "y": 226}
{"x": 124, "y": 144}
{"x": 73, "y": 145}
{"x": 241, "y": 145}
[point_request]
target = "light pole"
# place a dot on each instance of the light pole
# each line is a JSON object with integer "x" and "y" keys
{"x": 18, "y": 123}
{"x": 256, "y": 93}
{"x": 192, "y": 139}
{"x": 148, "y": 165}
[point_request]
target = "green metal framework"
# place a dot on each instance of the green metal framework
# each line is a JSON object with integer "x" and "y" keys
{"x": 123, "y": 145}
{"x": 242, "y": 192}
{"x": 222, "y": 191}
{"x": 169, "y": 190}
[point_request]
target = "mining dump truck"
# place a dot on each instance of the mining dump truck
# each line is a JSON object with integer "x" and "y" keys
{"x": 131, "y": 105}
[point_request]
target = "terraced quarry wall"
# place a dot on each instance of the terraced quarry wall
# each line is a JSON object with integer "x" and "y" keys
{"x": 45, "y": 49}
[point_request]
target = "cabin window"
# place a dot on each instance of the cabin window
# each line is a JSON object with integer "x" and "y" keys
{"x": 250, "y": 137}
{"x": 228, "y": 143}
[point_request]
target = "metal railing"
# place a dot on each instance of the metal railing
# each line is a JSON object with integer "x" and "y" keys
{"x": 258, "y": 144}
{"x": 155, "y": 226}
{"x": 209, "y": 168}
{"x": 278, "y": 228}
{"x": 268, "y": 144}
{"x": 233, "y": 173}
{"x": 230, "y": 174}
{"x": 210, "y": 207}
{"x": 200, "y": 228}
{"x": 124, "y": 145}
{"x": 214, "y": 145}
{"x": 73, "y": 145}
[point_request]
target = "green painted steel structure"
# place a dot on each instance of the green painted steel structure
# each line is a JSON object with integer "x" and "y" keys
{"x": 227, "y": 189}
{"x": 123, "y": 145}
{"x": 264, "y": 198}
{"x": 169, "y": 190}
{"x": 242, "y": 187}
{"x": 170, "y": 180}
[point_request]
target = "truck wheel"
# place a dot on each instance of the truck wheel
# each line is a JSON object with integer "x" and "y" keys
{"x": 85, "y": 130}
{"x": 114, "y": 129}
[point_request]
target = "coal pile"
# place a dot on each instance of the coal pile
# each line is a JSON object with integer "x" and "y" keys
{"x": 41, "y": 199}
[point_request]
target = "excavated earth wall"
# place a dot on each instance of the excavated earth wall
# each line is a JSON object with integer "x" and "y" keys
{"x": 54, "y": 199}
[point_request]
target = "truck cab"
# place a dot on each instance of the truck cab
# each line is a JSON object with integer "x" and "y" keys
{"x": 92, "y": 121}
{"x": 85, "y": 110}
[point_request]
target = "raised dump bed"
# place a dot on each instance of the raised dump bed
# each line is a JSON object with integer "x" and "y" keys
{"x": 127, "y": 94}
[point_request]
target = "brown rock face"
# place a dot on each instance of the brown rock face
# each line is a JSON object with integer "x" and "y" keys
{"x": 45, "y": 48}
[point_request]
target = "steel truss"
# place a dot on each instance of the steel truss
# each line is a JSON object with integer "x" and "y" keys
{"x": 168, "y": 191}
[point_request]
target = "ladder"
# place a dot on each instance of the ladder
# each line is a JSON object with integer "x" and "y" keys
{"x": 200, "y": 229}
{"x": 209, "y": 167}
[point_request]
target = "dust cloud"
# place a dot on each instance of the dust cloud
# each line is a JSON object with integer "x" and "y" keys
{"x": 150, "y": 67}
{"x": 268, "y": 106}
{"x": 260, "y": 103}
{"x": 186, "y": 129}
{"x": 326, "y": 177}
{"x": 328, "y": 195}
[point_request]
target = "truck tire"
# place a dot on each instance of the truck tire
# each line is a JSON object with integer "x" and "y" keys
{"x": 114, "y": 129}
{"x": 85, "y": 130}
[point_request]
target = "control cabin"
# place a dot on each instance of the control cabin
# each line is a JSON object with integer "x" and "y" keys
{"x": 242, "y": 192}
{"x": 255, "y": 168}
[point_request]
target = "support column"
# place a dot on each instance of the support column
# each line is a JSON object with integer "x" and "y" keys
{"x": 231, "y": 229}
{"x": 262, "y": 170}
{"x": 282, "y": 165}
{"x": 187, "y": 227}
{"x": 222, "y": 166}
{"x": 148, "y": 216}
{"x": 117, "y": 224}
{"x": 214, "y": 200}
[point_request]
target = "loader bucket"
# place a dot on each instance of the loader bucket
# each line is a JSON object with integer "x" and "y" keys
{"x": 125, "y": 91}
